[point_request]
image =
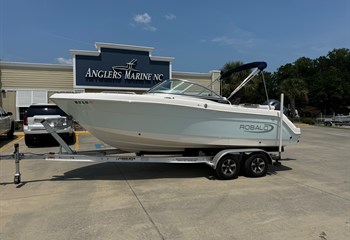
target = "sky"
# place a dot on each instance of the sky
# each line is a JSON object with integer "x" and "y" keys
{"x": 201, "y": 35}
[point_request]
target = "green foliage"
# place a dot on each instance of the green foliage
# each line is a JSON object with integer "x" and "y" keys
{"x": 253, "y": 92}
{"x": 294, "y": 88}
{"x": 310, "y": 121}
{"x": 310, "y": 111}
{"x": 231, "y": 82}
{"x": 310, "y": 85}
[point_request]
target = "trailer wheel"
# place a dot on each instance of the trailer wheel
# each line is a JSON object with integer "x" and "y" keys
{"x": 227, "y": 167}
{"x": 328, "y": 124}
{"x": 256, "y": 165}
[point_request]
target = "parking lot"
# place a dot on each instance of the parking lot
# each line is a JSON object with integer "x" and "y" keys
{"x": 308, "y": 197}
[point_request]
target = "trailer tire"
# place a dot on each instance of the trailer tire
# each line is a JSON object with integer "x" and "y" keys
{"x": 328, "y": 124}
{"x": 227, "y": 167}
{"x": 10, "y": 134}
{"x": 256, "y": 165}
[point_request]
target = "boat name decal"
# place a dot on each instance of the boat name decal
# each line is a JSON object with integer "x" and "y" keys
{"x": 127, "y": 158}
{"x": 183, "y": 159}
{"x": 129, "y": 72}
{"x": 256, "y": 128}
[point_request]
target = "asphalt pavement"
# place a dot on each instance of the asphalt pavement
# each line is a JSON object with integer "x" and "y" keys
{"x": 308, "y": 197}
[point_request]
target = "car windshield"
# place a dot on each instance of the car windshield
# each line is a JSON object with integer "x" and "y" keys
{"x": 183, "y": 87}
{"x": 45, "y": 110}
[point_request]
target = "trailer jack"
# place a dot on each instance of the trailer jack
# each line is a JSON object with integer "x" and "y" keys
{"x": 17, "y": 156}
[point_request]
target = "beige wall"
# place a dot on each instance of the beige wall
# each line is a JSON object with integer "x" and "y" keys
{"x": 9, "y": 101}
{"x": 36, "y": 76}
{"x": 204, "y": 79}
{"x": 28, "y": 76}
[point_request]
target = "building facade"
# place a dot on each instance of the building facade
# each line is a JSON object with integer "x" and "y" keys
{"x": 112, "y": 67}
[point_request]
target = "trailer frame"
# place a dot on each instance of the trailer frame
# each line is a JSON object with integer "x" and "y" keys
{"x": 226, "y": 163}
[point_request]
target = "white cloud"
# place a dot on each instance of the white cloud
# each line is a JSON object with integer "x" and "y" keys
{"x": 241, "y": 44}
{"x": 143, "y": 18}
{"x": 239, "y": 39}
{"x": 150, "y": 28}
{"x": 62, "y": 60}
{"x": 225, "y": 41}
{"x": 170, "y": 16}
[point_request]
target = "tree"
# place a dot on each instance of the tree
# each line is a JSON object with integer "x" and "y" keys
{"x": 230, "y": 83}
{"x": 252, "y": 92}
{"x": 294, "y": 88}
{"x": 304, "y": 67}
{"x": 329, "y": 86}
{"x": 315, "y": 85}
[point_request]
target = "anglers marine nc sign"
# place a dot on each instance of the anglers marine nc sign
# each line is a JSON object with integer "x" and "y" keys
{"x": 119, "y": 67}
{"x": 129, "y": 72}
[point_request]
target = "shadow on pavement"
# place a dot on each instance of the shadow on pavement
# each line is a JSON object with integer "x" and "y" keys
{"x": 4, "y": 140}
{"x": 140, "y": 171}
{"x": 137, "y": 171}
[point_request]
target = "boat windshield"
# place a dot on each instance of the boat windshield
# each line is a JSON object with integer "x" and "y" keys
{"x": 184, "y": 87}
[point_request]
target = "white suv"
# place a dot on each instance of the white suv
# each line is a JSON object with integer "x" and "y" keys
{"x": 34, "y": 131}
{"x": 7, "y": 125}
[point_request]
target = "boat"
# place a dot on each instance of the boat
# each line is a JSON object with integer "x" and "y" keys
{"x": 179, "y": 116}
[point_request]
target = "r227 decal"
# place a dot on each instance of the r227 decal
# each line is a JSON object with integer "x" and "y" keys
{"x": 256, "y": 128}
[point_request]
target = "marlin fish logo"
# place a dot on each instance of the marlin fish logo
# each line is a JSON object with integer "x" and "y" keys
{"x": 130, "y": 66}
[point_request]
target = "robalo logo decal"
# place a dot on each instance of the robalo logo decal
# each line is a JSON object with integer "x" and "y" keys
{"x": 256, "y": 128}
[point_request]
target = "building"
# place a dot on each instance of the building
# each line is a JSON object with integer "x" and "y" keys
{"x": 112, "y": 67}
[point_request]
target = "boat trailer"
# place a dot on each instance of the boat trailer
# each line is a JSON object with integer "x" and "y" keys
{"x": 226, "y": 163}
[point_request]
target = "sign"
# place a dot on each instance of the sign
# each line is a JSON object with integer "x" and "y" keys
{"x": 115, "y": 66}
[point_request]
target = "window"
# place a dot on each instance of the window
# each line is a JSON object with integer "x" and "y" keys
{"x": 24, "y": 98}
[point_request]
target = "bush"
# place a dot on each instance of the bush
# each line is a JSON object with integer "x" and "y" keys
{"x": 310, "y": 121}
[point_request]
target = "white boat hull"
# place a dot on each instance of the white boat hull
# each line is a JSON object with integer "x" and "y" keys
{"x": 161, "y": 123}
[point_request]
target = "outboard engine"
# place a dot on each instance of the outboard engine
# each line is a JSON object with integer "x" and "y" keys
{"x": 276, "y": 104}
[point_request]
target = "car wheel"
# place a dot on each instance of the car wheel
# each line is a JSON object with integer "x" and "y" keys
{"x": 11, "y": 132}
{"x": 28, "y": 141}
{"x": 71, "y": 139}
